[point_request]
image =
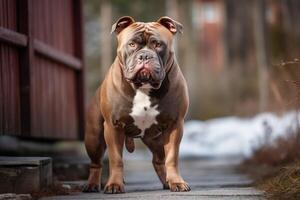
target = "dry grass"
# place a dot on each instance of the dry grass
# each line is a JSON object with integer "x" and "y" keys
{"x": 284, "y": 185}
{"x": 282, "y": 151}
{"x": 276, "y": 168}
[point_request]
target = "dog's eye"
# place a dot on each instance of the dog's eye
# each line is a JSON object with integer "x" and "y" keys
{"x": 132, "y": 44}
{"x": 156, "y": 44}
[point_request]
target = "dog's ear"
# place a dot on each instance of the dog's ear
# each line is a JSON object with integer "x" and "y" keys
{"x": 172, "y": 25}
{"x": 121, "y": 24}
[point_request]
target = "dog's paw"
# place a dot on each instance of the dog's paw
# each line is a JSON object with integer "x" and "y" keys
{"x": 179, "y": 187}
{"x": 91, "y": 188}
{"x": 114, "y": 188}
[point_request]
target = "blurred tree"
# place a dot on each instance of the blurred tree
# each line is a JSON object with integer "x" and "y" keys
{"x": 239, "y": 34}
{"x": 261, "y": 52}
{"x": 291, "y": 26}
{"x": 240, "y": 57}
{"x": 140, "y": 10}
{"x": 105, "y": 38}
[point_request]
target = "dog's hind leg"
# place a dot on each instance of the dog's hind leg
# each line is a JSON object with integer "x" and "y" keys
{"x": 95, "y": 144}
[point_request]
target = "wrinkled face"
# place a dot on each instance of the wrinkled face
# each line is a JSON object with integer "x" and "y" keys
{"x": 145, "y": 51}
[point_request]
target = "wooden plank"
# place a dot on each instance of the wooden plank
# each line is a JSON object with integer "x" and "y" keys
{"x": 9, "y": 91}
{"x": 26, "y": 61}
{"x": 8, "y": 14}
{"x": 13, "y": 93}
{"x": 56, "y": 55}
{"x": 12, "y": 37}
{"x": 1, "y": 91}
{"x": 78, "y": 41}
{"x": 55, "y": 114}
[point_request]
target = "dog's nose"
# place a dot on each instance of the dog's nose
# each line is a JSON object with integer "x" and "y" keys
{"x": 145, "y": 56}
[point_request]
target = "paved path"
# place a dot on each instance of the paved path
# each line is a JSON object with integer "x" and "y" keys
{"x": 209, "y": 179}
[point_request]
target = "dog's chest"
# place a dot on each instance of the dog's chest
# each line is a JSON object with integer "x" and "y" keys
{"x": 142, "y": 112}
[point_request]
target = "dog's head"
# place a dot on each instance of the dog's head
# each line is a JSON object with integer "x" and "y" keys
{"x": 145, "y": 50}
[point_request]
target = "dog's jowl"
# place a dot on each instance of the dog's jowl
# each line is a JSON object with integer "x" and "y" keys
{"x": 144, "y": 95}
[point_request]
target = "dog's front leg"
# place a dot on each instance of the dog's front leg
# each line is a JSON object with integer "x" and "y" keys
{"x": 115, "y": 141}
{"x": 171, "y": 147}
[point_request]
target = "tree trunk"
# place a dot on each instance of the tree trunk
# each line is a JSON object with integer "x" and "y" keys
{"x": 261, "y": 52}
{"x": 105, "y": 38}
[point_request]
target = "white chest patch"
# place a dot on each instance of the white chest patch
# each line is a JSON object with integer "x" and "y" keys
{"x": 142, "y": 113}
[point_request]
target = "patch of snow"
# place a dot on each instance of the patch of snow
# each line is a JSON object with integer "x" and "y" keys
{"x": 233, "y": 136}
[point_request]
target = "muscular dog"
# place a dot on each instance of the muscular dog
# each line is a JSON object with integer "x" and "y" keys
{"x": 144, "y": 95}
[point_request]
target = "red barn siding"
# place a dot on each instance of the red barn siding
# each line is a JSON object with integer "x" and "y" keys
{"x": 9, "y": 74}
{"x": 56, "y": 18}
{"x": 8, "y": 14}
{"x": 53, "y": 106}
{"x": 9, "y": 91}
{"x": 41, "y": 65}
{"x": 54, "y": 109}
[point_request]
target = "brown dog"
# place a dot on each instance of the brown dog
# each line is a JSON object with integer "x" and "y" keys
{"x": 144, "y": 95}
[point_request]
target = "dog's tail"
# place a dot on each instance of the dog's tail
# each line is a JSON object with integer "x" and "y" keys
{"x": 129, "y": 143}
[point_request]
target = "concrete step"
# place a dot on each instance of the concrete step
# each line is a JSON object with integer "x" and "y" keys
{"x": 10, "y": 196}
{"x": 23, "y": 175}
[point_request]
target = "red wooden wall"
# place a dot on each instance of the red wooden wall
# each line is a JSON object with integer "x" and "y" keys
{"x": 41, "y": 65}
